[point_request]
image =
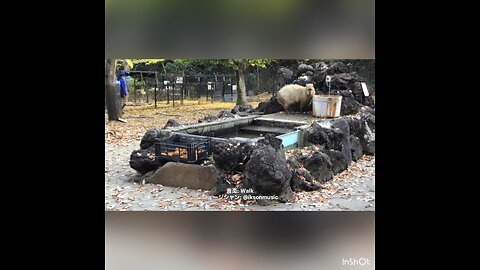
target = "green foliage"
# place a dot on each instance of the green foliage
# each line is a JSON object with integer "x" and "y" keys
{"x": 176, "y": 66}
{"x": 259, "y": 62}
{"x": 122, "y": 62}
{"x": 144, "y": 64}
{"x": 147, "y": 61}
{"x": 236, "y": 64}
{"x": 267, "y": 67}
{"x": 195, "y": 66}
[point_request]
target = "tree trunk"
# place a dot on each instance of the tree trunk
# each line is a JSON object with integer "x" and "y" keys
{"x": 163, "y": 67}
{"x": 111, "y": 94}
{"x": 241, "y": 89}
{"x": 125, "y": 65}
{"x": 258, "y": 82}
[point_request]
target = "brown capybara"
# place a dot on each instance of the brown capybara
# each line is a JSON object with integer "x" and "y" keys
{"x": 296, "y": 94}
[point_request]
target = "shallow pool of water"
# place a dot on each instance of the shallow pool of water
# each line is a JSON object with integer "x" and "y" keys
{"x": 241, "y": 135}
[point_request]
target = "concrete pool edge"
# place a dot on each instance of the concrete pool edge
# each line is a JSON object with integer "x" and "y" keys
{"x": 290, "y": 140}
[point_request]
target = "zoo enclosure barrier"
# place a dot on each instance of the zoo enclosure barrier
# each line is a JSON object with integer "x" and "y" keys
{"x": 153, "y": 86}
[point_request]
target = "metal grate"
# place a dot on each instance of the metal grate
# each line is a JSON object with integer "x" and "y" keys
{"x": 183, "y": 149}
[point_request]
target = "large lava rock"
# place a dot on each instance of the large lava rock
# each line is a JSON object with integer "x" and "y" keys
{"x": 322, "y": 66}
{"x": 342, "y": 80}
{"x": 171, "y": 123}
{"x": 337, "y": 67}
{"x": 318, "y": 80}
{"x": 319, "y": 166}
{"x": 349, "y": 104}
{"x": 303, "y": 80}
{"x": 285, "y": 77}
{"x": 149, "y": 138}
{"x": 368, "y": 101}
{"x": 368, "y": 138}
{"x": 242, "y": 108}
{"x": 272, "y": 106}
{"x": 225, "y": 114}
{"x": 208, "y": 118}
{"x": 336, "y": 137}
{"x": 368, "y": 113}
{"x": 356, "y": 125}
{"x": 267, "y": 170}
{"x": 143, "y": 160}
{"x": 317, "y": 134}
{"x": 231, "y": 156}
{"x": 357, "y": 149}
{"x": 345, "y": 147}
{"x": 302, "y": 180}
{"x": 303, "y": 68}
{"x": 339, "y": 163}
{"x": 362, "y": 126}
{"x": 357, "y": 90}
{"x": 261, "y": 106}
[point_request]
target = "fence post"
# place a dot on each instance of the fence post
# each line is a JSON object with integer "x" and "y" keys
{"x": 144, "y": 86}
{"x": 258, "y": 82}
{"x": 187, "y": 90}
{"x": 135, "y": 90}
{"x": 207, "y": 92}
{"x": 141, "y": 78}
{"x": 173, "y": 89}
{"x": 198, "y": 89}
{"x": 156, "y": 86}
{"x": 182, "y": 88}
{"x": 214, "y": 88}
{"x": 168, "y": 92}
{"x": 223, "y": 89}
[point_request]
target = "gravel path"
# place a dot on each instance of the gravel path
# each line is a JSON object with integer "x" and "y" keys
{"x": 351, "y": 190}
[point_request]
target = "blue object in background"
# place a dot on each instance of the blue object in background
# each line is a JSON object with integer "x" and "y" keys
{"x": 123, "y": 88}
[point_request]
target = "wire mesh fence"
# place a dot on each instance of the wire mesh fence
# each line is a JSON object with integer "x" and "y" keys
{"x": 151, "y": 87}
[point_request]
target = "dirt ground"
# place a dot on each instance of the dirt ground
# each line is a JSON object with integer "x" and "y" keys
{"x": 353, "y": 189}
{"x": 143, "y": 117}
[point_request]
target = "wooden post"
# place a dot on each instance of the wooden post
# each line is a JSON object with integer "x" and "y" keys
{"x": 198, "y": 89}
{"x": 185, "y": 81}
{"x": 135, "y": 90}
{"x": 207, "y": 93}
{"x": 258, "y": 82}
{"x": 214, "y": 88}
{"x": 231, "y": 89}
{"x": 173, "y": 89}
{"x": 145, "y": 87}
{"x": 182, "y": 89}
{"x": 168, "y": 92}
{"x": 223, "y": 89}
{"x": 156, "y": 86}
{"x": 141, "y": 78}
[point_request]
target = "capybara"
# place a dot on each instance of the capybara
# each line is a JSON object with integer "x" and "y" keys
{"x": 296, "y": 94}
